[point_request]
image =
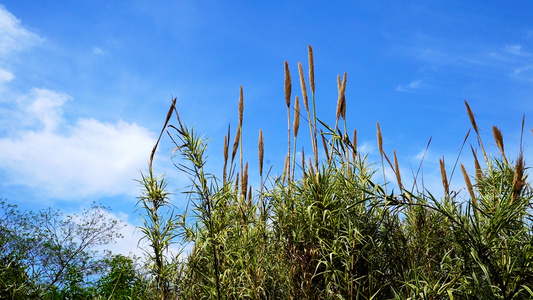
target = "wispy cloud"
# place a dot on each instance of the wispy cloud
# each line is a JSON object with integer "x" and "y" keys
{"x": 5, "y": 76}
{"x": 98, "y": 51}
{"x": 13, "y": 36}
{"x": 414, "y": 85}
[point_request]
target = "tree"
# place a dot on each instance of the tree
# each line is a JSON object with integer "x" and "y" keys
{"x": 56, "y": 251}
{"x": 121, "y": 280}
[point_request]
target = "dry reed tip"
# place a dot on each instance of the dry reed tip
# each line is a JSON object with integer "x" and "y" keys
{"x": 499, "y": 140}
{"x": 343, "y": 89}
{"x": 397, "y": 170}
{"x": 296, "y": 117}
{"x": 302, "y": 84}
{"x": 341, "y": 102}
{"x": 261, "y": 152}
{"x": 471, "y": 116}
{"x": 380, "y": 139}
{"x": 241, "y": 106}
{"x": 354, "y": 142}
{"x": 226, "y": 146}
{"x": 288, "y": 85}
{"x": 236, "y": 143}
{"x": 468, "y": 184}
{"x": 479, "y": 173}
{"x": 311, "y": 70}
{"x": 519, "y": 179}
{"x": 444, "y": 177}
{"x": 244, "y": 183}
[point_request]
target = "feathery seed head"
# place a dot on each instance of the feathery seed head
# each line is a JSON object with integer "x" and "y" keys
{"x": 380, "y": 139}
{"x": 288, "y": 86}
{"x": 302, "y": 84}
{"x": 296, "y": 117}
{"x": 471, "y": 116}
{"x": 261, "y": 152}
{"x": 311, "y": 70}
{"x": 444, "y": 177}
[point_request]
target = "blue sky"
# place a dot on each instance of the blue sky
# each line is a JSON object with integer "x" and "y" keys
{"x": 85, "y": 85}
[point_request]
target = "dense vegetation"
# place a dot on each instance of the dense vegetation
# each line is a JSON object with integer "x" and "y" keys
{"x": 323, "y": 229}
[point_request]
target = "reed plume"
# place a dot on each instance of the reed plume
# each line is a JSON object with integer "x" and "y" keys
{"x": 239, "y": 128}
{"x": 302, "y": 84}
{"x": 311, "y": 70}
{"x": 479, "y": 172}
{"x": 226, "y": 146}
{"x": 288, "y": 90}
{"x": 444, "y": 178}
{"x": 312, "y": 84}
{"x": 480, "y": 142}
{"x": 261, "y": 152}
{"x": 341, "y": 101}
{"x": 469, "y": 186}
{"x": 519, "y": 180}
{"x": 380, "y": 140}
{"x": 296, "y": 127}
{"x": 397, "y": 171}
{"x": 354, "y": 144}
{"x": 499, "y": 141}
{"x": 244, "y": 183}
{"x": 288, "y": 85}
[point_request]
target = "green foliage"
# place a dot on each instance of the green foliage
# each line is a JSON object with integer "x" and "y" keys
{"x": 333, "y": 232}
{"x": 46, "y": 255}
{"x": 122, "y": 280}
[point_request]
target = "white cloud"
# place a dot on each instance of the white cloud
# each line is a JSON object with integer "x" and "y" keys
{"x": 44, "y": 106}
{"x": 416, "y": 84}
{"x": 5, "y": 76}
{"x": 13, "y": 36}
{"x": 515, "y": 50}
{"x": 72, "y": 161}
{"x": 97, "y": 51}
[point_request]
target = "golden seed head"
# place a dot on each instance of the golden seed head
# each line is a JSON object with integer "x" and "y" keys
{"x": 288, "y": 86}
{"x": 380, "y": 139}
{"x": 519, "y": 180}
{"x": 226, "y": 148}
{"x": 311, "y": 70}
{"x": 302, "y": 84}
{"x": 261, "y": 152}
{"x": 339, "y": 100}
{"x": 499, "y": 140}
{"x": 244, "y": 184}
{"x": 471, "y": 116}
{"x": 354, "y": 140}
{"x": 236, "y": 143}
{"x": 241, "y": 106}
{"x": 468, "y": 184}
{"x": 397, "y": 170}
{"x": 343, "y": 90}
{"x": 303, "y": 159}
{"x": 354, "y": 143}
{"x": 444, "y": 177}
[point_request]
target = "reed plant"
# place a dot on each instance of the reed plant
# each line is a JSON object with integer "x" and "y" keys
{"x": 324, "y": 229}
